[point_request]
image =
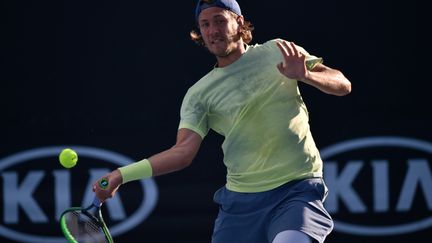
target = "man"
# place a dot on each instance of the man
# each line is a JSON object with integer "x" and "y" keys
{"x": 274, "y": 188}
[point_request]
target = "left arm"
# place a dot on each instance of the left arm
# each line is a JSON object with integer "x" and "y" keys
{"x": 328, "y": 80}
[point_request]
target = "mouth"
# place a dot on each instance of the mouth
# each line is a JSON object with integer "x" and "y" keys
{"x": 216, "y": 41}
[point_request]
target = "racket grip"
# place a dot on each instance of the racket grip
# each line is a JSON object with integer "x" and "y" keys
{"x": 97, "y": 202}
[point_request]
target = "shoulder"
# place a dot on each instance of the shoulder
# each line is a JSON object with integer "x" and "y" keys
{"x": 267, "y": 50}
{"x": 268, "y": 45}
{"x": 201, "y": 85}
{"x": 271, "y": 46}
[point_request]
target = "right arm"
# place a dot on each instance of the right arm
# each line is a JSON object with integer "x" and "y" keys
{"x": 176, "y": 158}
{"x": 179, "y": 156}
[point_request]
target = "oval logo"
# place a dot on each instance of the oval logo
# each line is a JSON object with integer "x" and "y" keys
{"x": 34, "y": 185}
{"x": 382, "y": 184}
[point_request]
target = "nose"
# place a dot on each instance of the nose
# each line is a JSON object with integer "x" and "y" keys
{"x": 213, "y": 29}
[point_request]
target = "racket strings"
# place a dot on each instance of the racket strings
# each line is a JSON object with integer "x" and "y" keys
{"x": 83, "y": 228}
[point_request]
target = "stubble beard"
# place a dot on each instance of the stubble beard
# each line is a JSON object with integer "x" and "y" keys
{"x": 230, "y": 43}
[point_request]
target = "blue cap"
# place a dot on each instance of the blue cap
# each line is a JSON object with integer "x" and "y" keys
{"x": 230, "y": 5}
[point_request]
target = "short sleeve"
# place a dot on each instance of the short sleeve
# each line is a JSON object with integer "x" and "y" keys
{"x": 193, "y": 114}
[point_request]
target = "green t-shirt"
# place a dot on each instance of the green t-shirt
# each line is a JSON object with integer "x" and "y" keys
{"x": 262, "y": 116}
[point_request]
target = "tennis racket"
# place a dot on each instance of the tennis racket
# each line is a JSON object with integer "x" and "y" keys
{"x": 86, "y": 224}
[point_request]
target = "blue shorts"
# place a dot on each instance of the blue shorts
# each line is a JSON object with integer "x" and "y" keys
{"x": 259, "y": 217}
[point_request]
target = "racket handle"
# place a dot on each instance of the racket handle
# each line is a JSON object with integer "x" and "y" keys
{"x": 97, "y": 202}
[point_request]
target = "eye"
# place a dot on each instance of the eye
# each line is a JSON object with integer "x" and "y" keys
{"x": 204, "y": 25}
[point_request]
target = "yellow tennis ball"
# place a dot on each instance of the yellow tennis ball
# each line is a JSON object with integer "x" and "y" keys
{"x": 68, "y": 158}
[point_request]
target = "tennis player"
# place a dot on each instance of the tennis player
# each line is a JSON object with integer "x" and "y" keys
{"x": 274, "y": 190}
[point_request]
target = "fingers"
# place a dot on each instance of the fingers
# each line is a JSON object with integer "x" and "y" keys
{"x": 280, "y": 67}
{"x": 101, "y": 193}
{"x": 289, "y": 49}
{"x": 295, "y": 50}
{"x": 114, "y": 182}
{"x": 283, "y": 49}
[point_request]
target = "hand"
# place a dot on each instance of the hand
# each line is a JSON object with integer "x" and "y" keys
{"x": 114, "y": 181}
{"x": 294, "y": 65}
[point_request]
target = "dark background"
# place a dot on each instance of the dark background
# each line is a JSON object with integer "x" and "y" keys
{"x": 112, "y": 74}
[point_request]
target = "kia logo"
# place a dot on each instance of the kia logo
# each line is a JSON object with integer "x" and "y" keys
{"x": 36, "y": 189}
{"x": 379, "y": 185}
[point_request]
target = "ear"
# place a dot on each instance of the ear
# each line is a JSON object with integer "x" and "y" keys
{"x": 240, "y": 20}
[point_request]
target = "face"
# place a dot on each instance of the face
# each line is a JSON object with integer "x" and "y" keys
{"x": 220, "y": 31}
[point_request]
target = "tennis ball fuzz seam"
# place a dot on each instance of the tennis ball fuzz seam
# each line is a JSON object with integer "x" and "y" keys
{"x": 68, "y": 158}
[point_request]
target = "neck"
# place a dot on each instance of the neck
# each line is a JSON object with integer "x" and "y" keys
{"x": 233, "y": 56}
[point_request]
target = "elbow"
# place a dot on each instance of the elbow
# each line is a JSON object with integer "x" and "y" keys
{"x": 185, "y": 162}
{"x": 344, "y": 86}
{"x": 338, "y": 85}
{"x": 186, "y": 157}
{"x": 186, "y": 148}
{"x": 345, "y": 89}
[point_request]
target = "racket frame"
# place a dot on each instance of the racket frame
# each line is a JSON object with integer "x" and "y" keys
{"x": 98, "y": 219}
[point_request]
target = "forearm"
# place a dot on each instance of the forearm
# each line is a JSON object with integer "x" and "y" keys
{"x": 170, "y": 160}
{"x": 176, "y": 158}
{"x": 330, "y": 81}
{"x": 173, "y": 159}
